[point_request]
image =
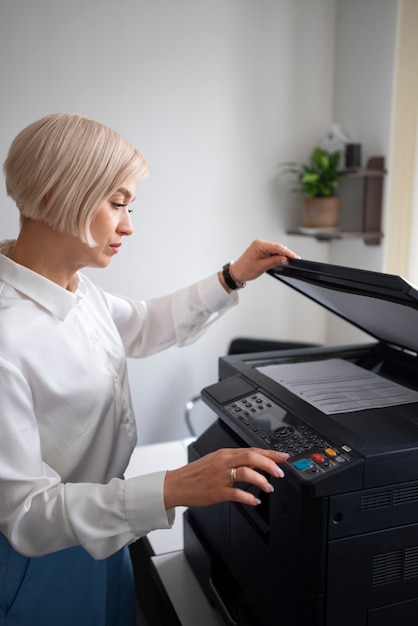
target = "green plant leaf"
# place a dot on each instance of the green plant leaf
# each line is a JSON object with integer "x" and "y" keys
{"x": 319, "y": 177}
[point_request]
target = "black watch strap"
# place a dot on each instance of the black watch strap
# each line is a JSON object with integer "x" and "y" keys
{"x": 231, "y": 282}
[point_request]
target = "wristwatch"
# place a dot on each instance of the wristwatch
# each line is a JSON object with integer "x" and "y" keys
{"x": 230, "y": 281}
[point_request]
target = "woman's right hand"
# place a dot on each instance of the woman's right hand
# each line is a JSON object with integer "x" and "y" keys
{"x": 211, "y": 478}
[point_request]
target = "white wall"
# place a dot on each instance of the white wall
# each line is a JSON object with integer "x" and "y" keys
{"x": 363, "y": 85}
{"x": 215, "y": 94}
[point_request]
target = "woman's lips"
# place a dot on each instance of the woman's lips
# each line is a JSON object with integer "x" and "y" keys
{"x": 115, "y": 247}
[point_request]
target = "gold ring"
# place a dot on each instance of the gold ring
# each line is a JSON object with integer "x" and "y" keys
{"x": 233, "y": 475}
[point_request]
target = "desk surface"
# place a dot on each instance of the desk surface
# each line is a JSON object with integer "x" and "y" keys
{"x": 152, "y": 458}
{"x": 180, "y": 584}
{"x": 185, "y": 593}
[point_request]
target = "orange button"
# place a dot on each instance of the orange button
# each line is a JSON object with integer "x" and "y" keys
{"x": 330, "y": 452}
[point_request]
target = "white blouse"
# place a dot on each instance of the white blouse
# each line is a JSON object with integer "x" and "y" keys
{"x": 66, "y": 425}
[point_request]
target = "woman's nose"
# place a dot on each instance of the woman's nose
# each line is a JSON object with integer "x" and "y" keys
{"x": 125, "y": 225}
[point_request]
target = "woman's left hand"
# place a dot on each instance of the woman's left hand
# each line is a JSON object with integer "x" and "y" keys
{"x": 259, "y": 257}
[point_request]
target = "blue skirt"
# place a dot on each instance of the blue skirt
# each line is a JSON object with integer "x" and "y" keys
{"x": 66, "y": 588}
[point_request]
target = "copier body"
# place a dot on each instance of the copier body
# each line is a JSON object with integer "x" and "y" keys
{"x": 337, "y": 541}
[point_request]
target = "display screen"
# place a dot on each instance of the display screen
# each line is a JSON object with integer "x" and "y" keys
{"x": 269, "y": 422}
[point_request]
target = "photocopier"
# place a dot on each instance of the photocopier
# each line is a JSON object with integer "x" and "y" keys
{"x": 337, "y": 540}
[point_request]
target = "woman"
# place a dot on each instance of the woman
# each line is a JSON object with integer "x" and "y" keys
{"x": 66, "y": 424}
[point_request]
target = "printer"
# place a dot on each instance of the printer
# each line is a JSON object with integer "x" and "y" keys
{"x": 337, "y": 540}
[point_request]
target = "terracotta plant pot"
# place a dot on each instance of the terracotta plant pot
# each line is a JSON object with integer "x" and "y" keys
{"x": 321, "y": 212}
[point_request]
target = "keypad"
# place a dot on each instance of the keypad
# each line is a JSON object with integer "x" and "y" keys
{"x": 310, "y": 453}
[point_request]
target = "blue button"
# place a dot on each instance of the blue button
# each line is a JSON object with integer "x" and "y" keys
{"x": 302, "y": 464}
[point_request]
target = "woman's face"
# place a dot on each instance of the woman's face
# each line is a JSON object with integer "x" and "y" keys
{"x": 111, "y": 222}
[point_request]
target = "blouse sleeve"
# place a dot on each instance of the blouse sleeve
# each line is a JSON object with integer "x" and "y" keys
{"x": 178, "y": 319}
{"x": 40, "y": 513}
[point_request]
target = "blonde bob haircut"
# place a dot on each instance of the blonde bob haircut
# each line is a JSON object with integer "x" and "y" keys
{"x": 60, "y": 169}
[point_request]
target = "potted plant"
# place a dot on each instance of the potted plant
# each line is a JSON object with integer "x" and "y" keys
{"x": 317, "y": 185}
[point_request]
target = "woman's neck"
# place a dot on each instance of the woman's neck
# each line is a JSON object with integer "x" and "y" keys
{"x": 44, "y": 250}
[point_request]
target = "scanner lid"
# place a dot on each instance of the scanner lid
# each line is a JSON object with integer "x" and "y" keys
{"x": 383, "y": 305}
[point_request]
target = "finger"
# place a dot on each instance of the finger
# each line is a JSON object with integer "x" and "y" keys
{"x": 258, "y": 459}
{"x": 268, "y": 248}
{"x": 284, "y": 251}
{"x": 268, "y": 462}
{"x": 275, "y": 455}
{"x": 278, "y": 259}
{"x": 244, "y": 497}
{"x": 250, "y": 476}
{"x": 260, "y": 257}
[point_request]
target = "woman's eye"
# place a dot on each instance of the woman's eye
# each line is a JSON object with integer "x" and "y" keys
{"x": 119, "y": 205}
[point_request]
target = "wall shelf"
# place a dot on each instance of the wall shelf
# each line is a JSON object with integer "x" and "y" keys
{"x": 369, "y": 237}
{"x": 370, "y": 218}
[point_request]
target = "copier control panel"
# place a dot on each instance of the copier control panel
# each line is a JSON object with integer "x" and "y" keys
{"x": 269, "y": 425}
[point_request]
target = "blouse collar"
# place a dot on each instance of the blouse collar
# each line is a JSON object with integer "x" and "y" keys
{"x": 50, "y": 296}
